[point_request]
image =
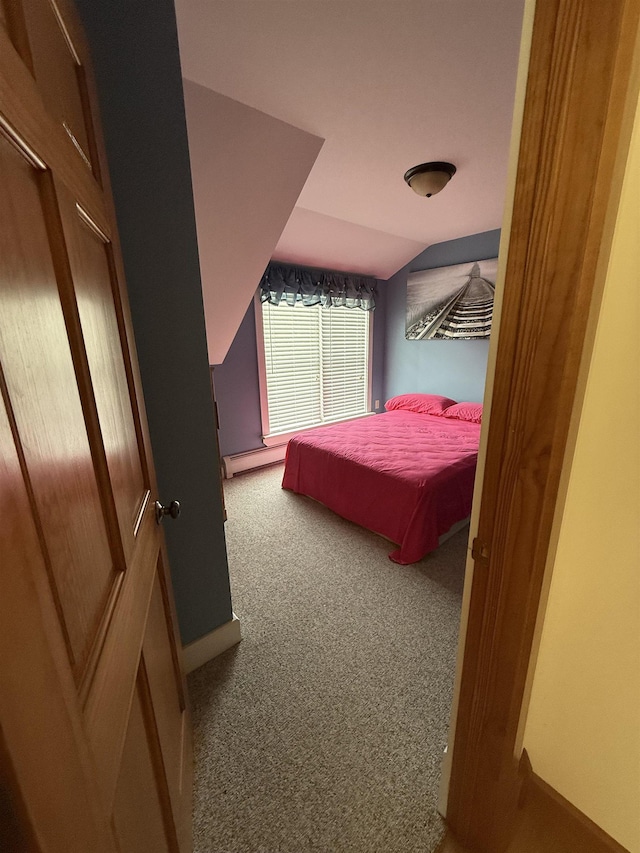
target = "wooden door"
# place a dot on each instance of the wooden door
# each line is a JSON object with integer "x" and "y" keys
{"x": 95, "y": 748}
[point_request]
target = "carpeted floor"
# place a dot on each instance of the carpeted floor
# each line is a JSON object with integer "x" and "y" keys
{"x": 324, "y": 729}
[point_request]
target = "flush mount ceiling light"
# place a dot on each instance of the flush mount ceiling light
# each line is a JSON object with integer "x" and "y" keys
{"x": 427, "y": 179}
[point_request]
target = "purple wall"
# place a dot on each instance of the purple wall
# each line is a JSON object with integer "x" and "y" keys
{"x": 237, "y": 391}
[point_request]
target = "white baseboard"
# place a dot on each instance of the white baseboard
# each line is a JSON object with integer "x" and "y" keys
{"x": 445, "y": 779}
{"x": 253, "y": 459}
{"x": 206, "y": 648}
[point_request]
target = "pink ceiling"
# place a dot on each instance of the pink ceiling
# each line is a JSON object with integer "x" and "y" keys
{"x": 312, "y": 238}
{"x": 387, "y": 84}
{"x": 247, "y": 169}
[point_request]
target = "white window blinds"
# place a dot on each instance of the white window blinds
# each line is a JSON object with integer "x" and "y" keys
{"x": 317, "y": 364}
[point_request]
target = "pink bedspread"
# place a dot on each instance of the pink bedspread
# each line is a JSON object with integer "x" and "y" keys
{"x": 406, "y": 476}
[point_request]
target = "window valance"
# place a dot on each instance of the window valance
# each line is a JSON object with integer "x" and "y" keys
{"x": 289, "y": 284}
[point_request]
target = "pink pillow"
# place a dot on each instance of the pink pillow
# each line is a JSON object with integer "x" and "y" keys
{"x": 424, "y": 404}
{"x": 465, "y": 412}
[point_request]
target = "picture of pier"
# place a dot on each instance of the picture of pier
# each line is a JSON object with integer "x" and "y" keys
{"x": 451, "y": 303}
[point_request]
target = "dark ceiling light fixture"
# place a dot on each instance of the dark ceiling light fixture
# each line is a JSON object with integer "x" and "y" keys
{"x": 427, "y": 179}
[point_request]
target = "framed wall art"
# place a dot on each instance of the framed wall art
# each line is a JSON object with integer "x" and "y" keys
{"x": 451, "y": 303}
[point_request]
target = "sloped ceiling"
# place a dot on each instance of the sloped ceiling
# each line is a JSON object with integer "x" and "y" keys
{"x": 388, "y": 84}
{"x": 247, "y": 170}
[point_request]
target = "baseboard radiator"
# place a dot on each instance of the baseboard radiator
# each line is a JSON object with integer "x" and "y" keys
{"x": 238, "y": 462}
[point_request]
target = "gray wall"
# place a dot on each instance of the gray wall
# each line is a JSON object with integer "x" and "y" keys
{"x": 455, "y": 369}
{"x": 135, "y": 54}
{"x": 238, "y": 391}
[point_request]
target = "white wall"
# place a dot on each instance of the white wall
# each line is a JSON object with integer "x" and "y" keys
{"x": 583, "y": 727}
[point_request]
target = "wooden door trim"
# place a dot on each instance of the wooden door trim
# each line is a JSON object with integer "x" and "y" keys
{"x": 568, "y": 182}
{"x": 556, "y": 815}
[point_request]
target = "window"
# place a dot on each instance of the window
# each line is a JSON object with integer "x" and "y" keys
{"x": 316, "y": 364}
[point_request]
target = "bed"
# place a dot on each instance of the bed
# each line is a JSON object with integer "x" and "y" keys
{"x": 406, "y": 474}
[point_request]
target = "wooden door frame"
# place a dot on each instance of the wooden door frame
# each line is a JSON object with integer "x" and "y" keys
{"x": 582, "y": 83}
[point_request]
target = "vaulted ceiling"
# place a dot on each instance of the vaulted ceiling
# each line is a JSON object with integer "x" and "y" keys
{"x": 387, "y": 84}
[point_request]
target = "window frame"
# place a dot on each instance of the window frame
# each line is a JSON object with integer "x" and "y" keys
{"x": 276, "y": 439}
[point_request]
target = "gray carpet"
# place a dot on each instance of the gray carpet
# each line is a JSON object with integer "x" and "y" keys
{"x": 324, "y": 729}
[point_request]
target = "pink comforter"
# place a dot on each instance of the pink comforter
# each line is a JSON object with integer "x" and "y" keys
{"x": 406, "y": 476}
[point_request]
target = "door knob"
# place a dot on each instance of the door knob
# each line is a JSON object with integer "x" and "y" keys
{"x": 172, "y": 509}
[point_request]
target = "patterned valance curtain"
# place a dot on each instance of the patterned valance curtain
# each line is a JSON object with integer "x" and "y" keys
{"x": 289, "y": 284}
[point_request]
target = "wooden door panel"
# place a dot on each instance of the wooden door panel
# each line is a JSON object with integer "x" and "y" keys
{"x": 24, "y": 113}
{"x": 41, "y": 736}
{"x": 12, "y": 19}
{"x": 139, "y": 821}
{"x": 35, "y": 355}
{"x": 97, "y": 297}
{"x": 57, "y": 70}
{"x": 106, "y": 708}
{"x": 165, "y": 687}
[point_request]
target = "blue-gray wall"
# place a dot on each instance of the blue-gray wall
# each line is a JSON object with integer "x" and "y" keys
{"x": 238, "y": 392}
{"x": 455, "y": 369}
{"x": 135, "y": 54}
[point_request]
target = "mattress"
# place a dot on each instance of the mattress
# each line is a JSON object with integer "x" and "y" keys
{"x": 407, "y": 476}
